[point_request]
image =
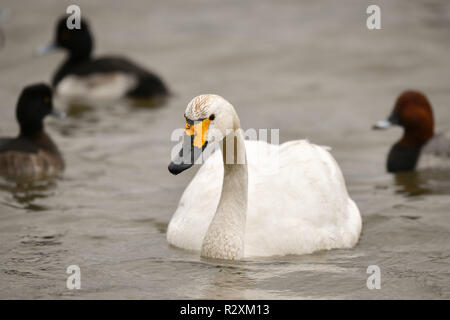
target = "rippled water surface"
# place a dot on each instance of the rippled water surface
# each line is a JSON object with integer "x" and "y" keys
{"x": 310, "y": 68}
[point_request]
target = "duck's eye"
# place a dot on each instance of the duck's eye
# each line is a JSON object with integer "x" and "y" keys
{"x": 212, "y": 117}
{"x": 65, "y": 35}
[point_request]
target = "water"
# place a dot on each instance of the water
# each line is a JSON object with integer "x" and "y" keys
{"x": 311, "y": 69}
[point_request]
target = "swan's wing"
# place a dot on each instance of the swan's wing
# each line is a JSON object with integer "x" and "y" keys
{"x": 301, "y": 208}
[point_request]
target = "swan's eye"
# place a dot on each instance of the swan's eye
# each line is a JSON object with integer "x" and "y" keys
{"x": 212, "y": 117}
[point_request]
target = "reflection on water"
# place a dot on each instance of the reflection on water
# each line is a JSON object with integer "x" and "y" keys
{"x": 26, "y": 192}
{"x": 424, "y": 182}
{"x": 155, "y": 102}
{"x": 227, "y": 280}
{"x": 78, "y": 110}
{"x": 81, "y": 109}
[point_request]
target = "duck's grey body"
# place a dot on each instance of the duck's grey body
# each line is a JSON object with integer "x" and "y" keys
{"x": 22, "y": 158}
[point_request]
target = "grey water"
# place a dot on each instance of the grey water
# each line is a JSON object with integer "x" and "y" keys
{"x": 310, "y": 68}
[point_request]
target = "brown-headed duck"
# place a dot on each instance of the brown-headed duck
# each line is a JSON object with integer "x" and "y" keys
{"x": 419, "y": 147}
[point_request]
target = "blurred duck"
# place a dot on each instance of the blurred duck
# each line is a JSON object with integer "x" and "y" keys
{"x": 267, "y": 200}
{"x": 419, "y": 147}
{"x": 84, "y": 79}
{"x": 32, "y": 154}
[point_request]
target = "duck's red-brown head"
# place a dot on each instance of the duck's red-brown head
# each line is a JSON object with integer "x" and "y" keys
{"x": 413, "y": 112}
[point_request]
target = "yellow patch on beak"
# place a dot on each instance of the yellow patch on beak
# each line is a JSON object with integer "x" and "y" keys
{"x": 189, "y": 129}
{"x": 199, "y": 130}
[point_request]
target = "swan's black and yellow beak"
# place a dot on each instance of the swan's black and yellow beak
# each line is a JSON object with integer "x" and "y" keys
{"x": 194, "y": 142}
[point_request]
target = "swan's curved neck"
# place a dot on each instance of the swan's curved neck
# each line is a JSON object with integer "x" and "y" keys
{"x": 225, "y": 236}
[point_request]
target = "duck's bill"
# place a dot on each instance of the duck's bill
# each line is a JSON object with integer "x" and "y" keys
{"x": 194, "y": 142}
{"x": 4, "y": 14}
{"x": 381, "y": 125}
{"x": 45, "y": 49}
{"x": 58, "y": 114}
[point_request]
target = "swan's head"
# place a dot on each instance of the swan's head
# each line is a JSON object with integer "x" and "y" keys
{"x": 209, "y": 118}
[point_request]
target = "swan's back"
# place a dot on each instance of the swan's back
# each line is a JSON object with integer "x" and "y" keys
{"x": 297, "y": 202}
{"x": 303, "y": 208}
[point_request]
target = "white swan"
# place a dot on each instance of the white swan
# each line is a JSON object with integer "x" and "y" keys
{"x": 301, "y": 207}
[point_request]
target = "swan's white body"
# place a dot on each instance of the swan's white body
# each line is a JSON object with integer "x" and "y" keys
{"x": 296, "y": 204}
